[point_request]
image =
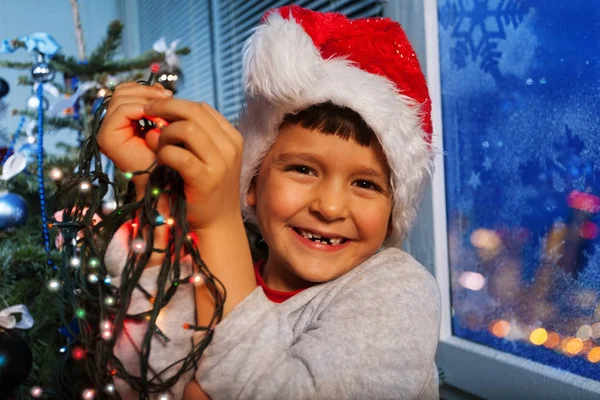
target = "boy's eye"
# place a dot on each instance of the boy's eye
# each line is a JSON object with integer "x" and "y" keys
{"x": 367, "y": 185}
{"x": 302, "y": 169}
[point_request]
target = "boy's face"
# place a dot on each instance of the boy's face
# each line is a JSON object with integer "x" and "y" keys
{"x": 313, "y": 182}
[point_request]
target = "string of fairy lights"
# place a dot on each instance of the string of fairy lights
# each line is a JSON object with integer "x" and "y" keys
{"x": 92, "y": 309}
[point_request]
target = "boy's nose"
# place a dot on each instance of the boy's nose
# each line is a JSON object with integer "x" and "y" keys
{"x": 330, "y": 202}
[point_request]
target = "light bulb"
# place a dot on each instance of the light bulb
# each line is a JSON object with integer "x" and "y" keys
{"x": 54, "y": 285}
{"x": 56, "y": 174}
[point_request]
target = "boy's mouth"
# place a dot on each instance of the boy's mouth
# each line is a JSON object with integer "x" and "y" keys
{"x": 332, "y": 240}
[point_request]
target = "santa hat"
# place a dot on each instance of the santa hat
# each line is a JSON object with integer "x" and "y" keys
{"x": 297, "y": 58}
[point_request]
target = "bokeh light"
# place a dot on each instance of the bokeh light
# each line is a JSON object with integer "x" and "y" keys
{"x": 538, "y": 336}
{"x": 472, "y": 280}
{"x": 499, "y": 328}
{"x": 594, "y": 355}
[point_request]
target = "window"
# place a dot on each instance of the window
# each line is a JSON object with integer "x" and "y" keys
{"x": 516, "y": 196}
{"x": 189, "y": 21}
{"x": 233, "y": 24}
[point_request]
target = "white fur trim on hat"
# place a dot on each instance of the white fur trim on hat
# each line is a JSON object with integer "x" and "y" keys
{"x": 285, "y": 73}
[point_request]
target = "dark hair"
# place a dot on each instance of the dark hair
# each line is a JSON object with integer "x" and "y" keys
{"x": 331, "y": 119}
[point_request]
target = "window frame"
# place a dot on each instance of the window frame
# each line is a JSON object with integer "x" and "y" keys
{"x": 469, "y": 366}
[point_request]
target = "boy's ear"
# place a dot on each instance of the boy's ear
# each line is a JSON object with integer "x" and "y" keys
{"x": 251, "y": 195}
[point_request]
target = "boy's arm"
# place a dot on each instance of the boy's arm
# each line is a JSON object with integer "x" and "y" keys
{"x": 193, "y": 391}
{"x": 225, "y": 250}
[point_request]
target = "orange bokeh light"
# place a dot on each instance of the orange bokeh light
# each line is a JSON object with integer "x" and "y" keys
{"x": 594, "y": 355}
{"x": 572, "y": 345}
{"x": 499, "y": 328}
{"x": 552, "y": 341}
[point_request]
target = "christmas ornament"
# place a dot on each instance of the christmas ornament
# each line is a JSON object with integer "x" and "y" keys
{"x": 170, "y": 51}
{"x": 13, "y": 210}
{"x": 13, "y": 165}
{"x": 42, "y": 71}
{"x": 170, "y": 77}
{"x": 15, "y": 355}
{"x": 33, "y": 103}
{"x": 15, "y": 361}
{"x": 40, "y": 42}
{"x": 71, "y": 100}
{"x": 4, "y": 88}
{"x": 28, "y": 149}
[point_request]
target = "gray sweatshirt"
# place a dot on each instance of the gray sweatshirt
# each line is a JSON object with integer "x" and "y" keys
{"x": 370, "y": 334}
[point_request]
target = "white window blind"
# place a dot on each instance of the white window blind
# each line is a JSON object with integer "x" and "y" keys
{"x": 190, "y": 21}
{"x": 233, "y": 23}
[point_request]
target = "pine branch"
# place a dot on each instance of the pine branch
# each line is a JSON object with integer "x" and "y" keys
{"x": 15, "y": 65}
{"x": 24, "y": 80}
{"x": 86, "y": 72}
{"x": 69, "y": 64}
{"x": 54, "y": 122}
{"x": 107, "y": 48}
{"x": 141, "y": 62}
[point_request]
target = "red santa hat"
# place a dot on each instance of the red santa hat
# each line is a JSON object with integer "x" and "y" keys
{"x": 297, "y": 58}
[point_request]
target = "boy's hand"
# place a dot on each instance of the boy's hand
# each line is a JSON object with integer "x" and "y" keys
{"x": 117, "y": 136}
{"x": 206, "y": 150}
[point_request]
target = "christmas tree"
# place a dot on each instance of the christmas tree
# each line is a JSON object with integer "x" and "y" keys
{"x": 29, "y": 245}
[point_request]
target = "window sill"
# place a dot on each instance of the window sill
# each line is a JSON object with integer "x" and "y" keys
{"x": 491, "y": 374}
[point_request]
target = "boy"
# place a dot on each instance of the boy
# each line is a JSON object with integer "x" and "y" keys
{"x": 336, "y": 152}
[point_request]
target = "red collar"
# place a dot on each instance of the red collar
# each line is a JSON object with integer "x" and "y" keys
{"x": 274, "y": 295}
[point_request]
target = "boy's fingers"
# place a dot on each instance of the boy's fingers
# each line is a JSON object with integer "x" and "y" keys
{"x": 175, "y": 109}
{"x": 121, "y": 117}
{"x": 119, "y": 100}
{"x": 183, "y": 161}
{"x": 152, "y": 138}
{"x": 116, "y": 143}
{"x": 193, "y": 138}
{"x": 225, "y": 125}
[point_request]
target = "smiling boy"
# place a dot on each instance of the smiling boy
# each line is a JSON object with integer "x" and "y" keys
{"x": 314, "y": 182}
{"x": 336, "y": 154}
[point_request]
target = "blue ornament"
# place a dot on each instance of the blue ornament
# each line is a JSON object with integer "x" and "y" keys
{"x": 13, "y": 210}
{"x": 42, "y": 71}
{"x": 15, "y": 362}
{"x": 29, "y": 150}
{"x": 4, "y": 88}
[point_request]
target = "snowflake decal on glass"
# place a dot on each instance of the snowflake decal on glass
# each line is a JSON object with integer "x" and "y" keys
{"x": 478, "y": 26}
